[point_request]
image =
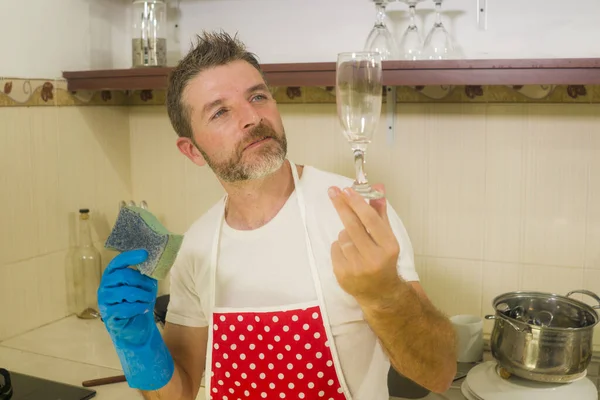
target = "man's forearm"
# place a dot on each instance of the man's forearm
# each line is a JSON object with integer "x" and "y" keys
{"x": 419, "y": 340}
{"x": 180, "y": 387}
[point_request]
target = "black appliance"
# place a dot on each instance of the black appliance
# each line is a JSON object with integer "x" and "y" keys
{"x": 17, "y": 386}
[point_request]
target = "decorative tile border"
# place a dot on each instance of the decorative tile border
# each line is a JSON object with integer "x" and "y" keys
{"x": 26, "y": 92}
{"x": 37, "y": 92}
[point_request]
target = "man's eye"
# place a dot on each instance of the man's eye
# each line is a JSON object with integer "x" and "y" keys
{"x": 218, "y": 113}
{"x": 259, "y": 97}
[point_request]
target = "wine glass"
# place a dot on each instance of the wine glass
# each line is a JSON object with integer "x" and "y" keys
{"x": 358, "y": 98}
{"x": 411, "y": 42}
{"x": 380, "y": 39}
{"x": 438, "y": 43}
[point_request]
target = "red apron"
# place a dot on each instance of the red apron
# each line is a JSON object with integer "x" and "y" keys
{"x": 284, "y": 352}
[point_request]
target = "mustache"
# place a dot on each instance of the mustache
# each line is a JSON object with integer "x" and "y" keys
{"x": 258, "y": 133}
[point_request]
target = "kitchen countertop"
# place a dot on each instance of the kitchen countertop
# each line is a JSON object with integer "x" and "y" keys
{"x": 72, "y": 350}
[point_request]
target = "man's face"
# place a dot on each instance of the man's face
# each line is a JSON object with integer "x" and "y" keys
{"x": 235, "y": 122}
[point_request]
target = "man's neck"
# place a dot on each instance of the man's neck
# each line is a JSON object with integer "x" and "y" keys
{"x": 253, "y": 203}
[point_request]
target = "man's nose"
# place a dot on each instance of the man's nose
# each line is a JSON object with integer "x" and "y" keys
{"x": 249, "y": 117}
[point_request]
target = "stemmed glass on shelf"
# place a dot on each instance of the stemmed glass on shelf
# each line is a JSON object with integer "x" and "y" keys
{"x": 380, "y": 38}
{"x": 438, "y": 43}
{"x": 411, "y": 43}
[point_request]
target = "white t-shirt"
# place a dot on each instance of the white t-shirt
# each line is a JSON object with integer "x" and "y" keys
{"x": 269, "y": 266}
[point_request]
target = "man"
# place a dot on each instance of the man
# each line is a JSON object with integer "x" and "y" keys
{"x": 291, "y": 286}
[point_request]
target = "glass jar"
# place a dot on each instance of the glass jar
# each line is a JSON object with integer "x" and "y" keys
{"x": 149, "y": 39}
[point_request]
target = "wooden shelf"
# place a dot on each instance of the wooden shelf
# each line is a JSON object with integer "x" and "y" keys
{"x": 566, "y": 71}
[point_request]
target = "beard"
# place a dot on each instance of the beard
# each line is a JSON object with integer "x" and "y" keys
{"x": 268, "y": 158}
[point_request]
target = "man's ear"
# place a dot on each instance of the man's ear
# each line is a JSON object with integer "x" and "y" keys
{"x": 189, "y": 149}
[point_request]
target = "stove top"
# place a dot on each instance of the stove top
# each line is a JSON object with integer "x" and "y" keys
{"x": 484, "y": 381}
{"x": 25, "y": 387}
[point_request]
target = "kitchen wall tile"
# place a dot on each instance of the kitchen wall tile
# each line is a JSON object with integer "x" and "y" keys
{"x": 592, "y": 239}
{"x": 498, "y": 278}
{"x": 491, "y": 195}
{"x": 475, "y": 94}
{"x": 319, "y": 94}
{"x": 505, "y": 132}
{"x": 591, "y": 281}
{"x": 77, "y": 170}
{"x": 157, "y": 166}
{"x": 289, "y": 94}
{"x": 421, "y": 268}
{"x": 569, "y": 94}
{"x": 27, "y": 92}
{"x": 59, "y": 160}
{"x": 556, "y": 174}
{"x": 315, "y": 138}
{"x": 5, "y": 194}
{"x": 148, "y": 97}
{"x": 408, "y": 94}
{"x": 17, "y": 211}
{"x": 50, "y": 273}
{"x": 45, "y": 166}
{"x": 406, "y": 173}
{"x": 431, "y": 94}
{"x": 507, "y": 94}
{"x": 454, "y": 285}
{"x": 294, "y": 120}
{"x": 50, "y": 92}
{"x": 5, "y": 197}
{"x": 113, "y": 158}
{"x": 202, "y": 190}
{"x": 544, "y": 278}
{"x": 94, "y": 168}
{"x": 19, "y": 298}
{"x": 454, "y": 224}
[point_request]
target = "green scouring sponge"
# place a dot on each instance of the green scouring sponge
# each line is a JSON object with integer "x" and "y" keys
{"x": 137, "y": 228}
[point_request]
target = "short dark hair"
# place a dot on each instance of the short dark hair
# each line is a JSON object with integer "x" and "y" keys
{"x": 212, "y": 49}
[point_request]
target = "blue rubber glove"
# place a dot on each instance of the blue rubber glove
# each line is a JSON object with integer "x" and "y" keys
{"x": 126, "y": 301}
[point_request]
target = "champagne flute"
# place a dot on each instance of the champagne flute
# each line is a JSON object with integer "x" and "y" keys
{"x": 358, "y": 98}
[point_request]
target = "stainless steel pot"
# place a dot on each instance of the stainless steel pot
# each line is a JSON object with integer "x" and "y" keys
{"x": 543, "y": 337}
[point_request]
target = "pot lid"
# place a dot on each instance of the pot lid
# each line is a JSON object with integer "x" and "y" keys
{"x": 484, "y": 383}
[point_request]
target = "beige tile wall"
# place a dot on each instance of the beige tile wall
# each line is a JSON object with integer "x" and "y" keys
{"x": 495, "y": 197}
{"x": 53, "y": 161}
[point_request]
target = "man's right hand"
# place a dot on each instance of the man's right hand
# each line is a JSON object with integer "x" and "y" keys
{"x": 126, "y": 301}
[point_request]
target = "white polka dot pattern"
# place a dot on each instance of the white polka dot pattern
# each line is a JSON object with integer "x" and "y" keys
{"x": 281, "y": 354}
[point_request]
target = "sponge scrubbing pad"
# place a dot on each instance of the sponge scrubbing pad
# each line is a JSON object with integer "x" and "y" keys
{"x": 137, "y": 228}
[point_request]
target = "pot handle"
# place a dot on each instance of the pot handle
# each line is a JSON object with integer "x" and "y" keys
{"x": 526, "y": 329}
{"x": 589, "y": 293}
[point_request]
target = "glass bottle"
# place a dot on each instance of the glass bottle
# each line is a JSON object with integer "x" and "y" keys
{"x": 87, "y": 269}
{"x": 149, "y": 40}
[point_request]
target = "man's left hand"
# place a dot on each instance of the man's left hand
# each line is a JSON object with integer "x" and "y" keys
{"x": 365, "y": 255}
